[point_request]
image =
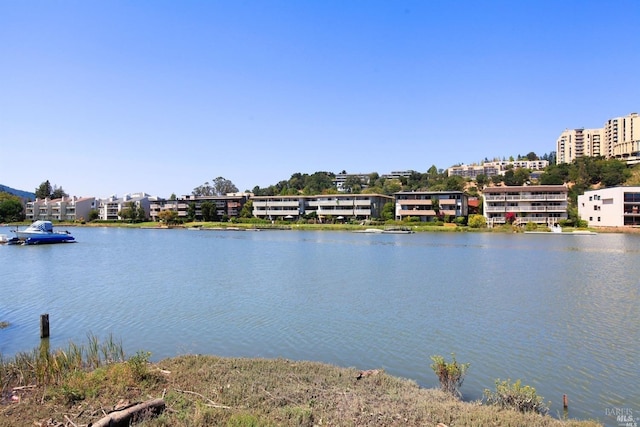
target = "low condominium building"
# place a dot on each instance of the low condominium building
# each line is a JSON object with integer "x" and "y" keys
{"x": 324, "y": 206}
{"x": 430, "y": 205}
{"x": 109, "y": 209}
{"x": 228, "y": 206}
{"x": 496, "y": 168}
{"x": 63, "y": 209}
{"x": 541, "y": 204}
{"x": 610, "y": 207}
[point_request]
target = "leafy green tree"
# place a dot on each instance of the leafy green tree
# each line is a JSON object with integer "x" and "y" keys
{"x": 129, "y": 212}
{"x": 391, "y": 186}
{"x": 141, "y": 214}
{"x": 94, "y": 214}
{"x": 247, "y": 210}
{"x": 11, "y": 208}
{"x": 208, "y": 210}
{"x": 191, "y": 211}
{"x": 168, "y": 216}
{"x": 388, "y": 212}
{"x": 435, "y": 205}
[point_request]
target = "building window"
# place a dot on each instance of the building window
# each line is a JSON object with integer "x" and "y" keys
{"x": 598, "y": 219}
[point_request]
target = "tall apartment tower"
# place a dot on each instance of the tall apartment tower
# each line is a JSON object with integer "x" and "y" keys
{"x": 619, "y": 139}
{"x": 622, "y": 138}
{"x": 576, "y": 143}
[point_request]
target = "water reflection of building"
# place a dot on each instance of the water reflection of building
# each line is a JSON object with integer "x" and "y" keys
{"x": 610, "y": 207}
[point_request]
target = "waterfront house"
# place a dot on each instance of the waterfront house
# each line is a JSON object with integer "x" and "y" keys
{"x": 430, "y": 205}
{"x": 227, "y": 206}
{"x": 540, "y": 204}
{"x": 325, "y": 207}
{"x": 610, "y": 207}
{"x": 62, "y": 209}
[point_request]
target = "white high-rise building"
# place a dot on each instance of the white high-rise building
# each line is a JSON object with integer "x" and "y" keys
{"x": 574, "y": 143}
{"x": 622, "y": 138}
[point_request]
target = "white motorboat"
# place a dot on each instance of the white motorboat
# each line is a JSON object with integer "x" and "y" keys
{"x": 41, "y": 232}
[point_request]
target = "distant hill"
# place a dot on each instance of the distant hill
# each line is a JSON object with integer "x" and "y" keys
{"x": 19, "y": 193}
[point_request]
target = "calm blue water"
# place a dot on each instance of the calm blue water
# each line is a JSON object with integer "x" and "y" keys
{"x": 561, "y": 313}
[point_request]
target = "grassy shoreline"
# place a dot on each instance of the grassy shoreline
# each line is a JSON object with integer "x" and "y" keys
{"x": 288, "y": 225}
{"x": 208, "y": 390}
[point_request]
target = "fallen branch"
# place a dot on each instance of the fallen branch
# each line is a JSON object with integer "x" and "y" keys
{"x": 123, "y": 417}
{"x": 211, "y": 403}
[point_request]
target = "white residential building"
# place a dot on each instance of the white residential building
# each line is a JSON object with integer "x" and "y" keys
{"x": 110, "y": 208}
{"x": 496, "y": 168}
{"x": 541, "y": 204}
{"x": 610, "y": 207}
{"x": 323, "y": 206}
{"x": 63, "y": 209}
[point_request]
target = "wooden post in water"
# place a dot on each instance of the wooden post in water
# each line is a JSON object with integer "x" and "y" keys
{"x": 44, "y": 326}
{"x": 565, "y": 402}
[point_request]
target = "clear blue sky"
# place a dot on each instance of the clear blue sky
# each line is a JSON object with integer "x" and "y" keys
{"x": 114, "y": 97}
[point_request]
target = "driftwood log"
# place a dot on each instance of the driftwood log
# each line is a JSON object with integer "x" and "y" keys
{"x": 124, "y": 416}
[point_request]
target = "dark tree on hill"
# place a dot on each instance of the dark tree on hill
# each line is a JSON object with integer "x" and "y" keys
{"x": 319, "y": 182}
{"x": 223, "y": 186}
{"x": 58, "y": 193}
{"x": 482, "y": 180}
{"x": 614, "y": 172}
{"x": 352, "y": 185}
{"x": 44, "y": 190}
{"x": 203, "y": 190}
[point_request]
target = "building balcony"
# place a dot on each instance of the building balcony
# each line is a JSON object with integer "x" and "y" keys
{"x": 275, "y": 212}
{"x": 273, "y": 204}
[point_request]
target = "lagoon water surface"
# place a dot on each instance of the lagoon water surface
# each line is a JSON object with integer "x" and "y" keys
{"x": 562, "y": 313}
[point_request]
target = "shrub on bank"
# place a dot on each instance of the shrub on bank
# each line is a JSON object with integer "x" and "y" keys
{"x": 516, "y": 396}
{"x": 450, "y": 374}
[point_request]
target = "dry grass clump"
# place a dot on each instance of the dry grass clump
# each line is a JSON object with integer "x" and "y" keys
{"x": 237, "y": 392}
